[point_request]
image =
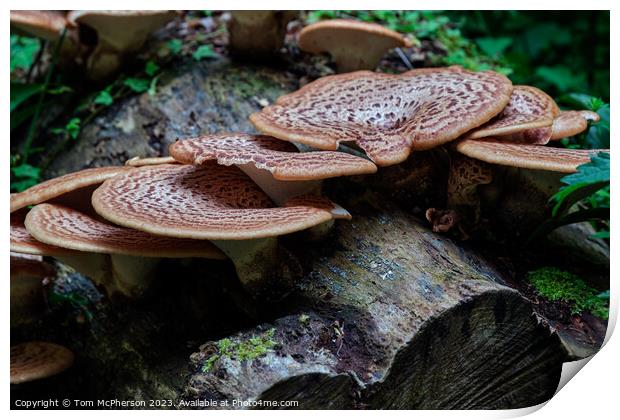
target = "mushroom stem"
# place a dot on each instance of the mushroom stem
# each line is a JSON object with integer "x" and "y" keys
{"x": 280, "y": 191}
{"x": 27, "y": 275}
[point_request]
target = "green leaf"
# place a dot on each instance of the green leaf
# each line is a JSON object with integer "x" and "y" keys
{"x": 561, "y": 77}
{"x": 595, "y": 171}
{"x": 104, "y": 98}
{"x": 604, "y": 234}
{"x": 204, "y": 51}
{"x": 136, "y": 84}
{"x": 153, "y": 86}
{"x": 73, "y": 128}
{"x": 21, "y": 92}
{"x": 151, "y": 68}
{"x": 26, "y": 171}
{"x": 20, "y": 186}
{"x": 494, "y": 46}
{"x": 23, "y": 52}
{"x": 569, "y": 196}
{"x": 576, "y": 217}
{"x": 175, "y": 46}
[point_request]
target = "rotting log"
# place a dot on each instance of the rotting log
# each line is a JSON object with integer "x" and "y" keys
{"x": 391, "y": 315}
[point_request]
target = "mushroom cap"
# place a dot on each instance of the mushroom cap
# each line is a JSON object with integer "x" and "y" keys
{"x": 62, "y": 226}
{"x": 528, "y": 156}
{"x": 354, "y": 45}
{"x": 527, "y": 117}
{"x": 387, "y": 115}
{"x": 44, "y": 24}
{"x": 38, "y": 360}
{"x": 57, "y": 187}
{"x": 25, "y": 265}
{"x": 208, "y": 202}
{"x": 138, "y": 161}
{"x": 280, "y": 158}
{"x": 571, "y": 123}
{"x": 24, "y": 243}
{"x": 124, "y": 30}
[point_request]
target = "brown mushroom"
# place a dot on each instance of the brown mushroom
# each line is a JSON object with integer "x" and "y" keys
{"x": 38, "y": 360}
{"x": 527, "y": 118}
{"x": 353, "y": 45}
{"x": 571, "y": 123}
{"x": 138, "y": 161}
{"x": 258, "y": 33}
{"x": 122, "y": 260}
{"x": 276, "y": 166}
{"x": 28, "y": 273}
{"x": 211, "y": 202}
{"x": 118, "y": 33}
{"x": 388, "y": 116}
{"x": 48, "y": 25}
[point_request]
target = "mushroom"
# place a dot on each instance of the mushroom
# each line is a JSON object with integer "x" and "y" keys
{"x": 48, "y": 25}
{"x": 353, "y": 45}
{"x": 479, "y": 163}
{"x": 276, "y": 166}
{"x": 122, "y": 260}
{"x": 258, "y": 33}
{"x": 74, "y": 188}
{"x": 387, "y": 115}
{"x": 138, "y": 161}
{"x": 116, "y": 33}
{"x": 216, "y": 203}
{"x": 527, "y": 118}
{"x": 38, "y": 360}
{"x": 571, "y": 123}
{"x": 28, "y": 273}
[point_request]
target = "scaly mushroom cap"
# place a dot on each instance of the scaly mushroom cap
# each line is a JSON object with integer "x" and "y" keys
{"x": 525, "y": 155}
{"x": 123, "y": 30}
{"x": 280, "y": 158}
{"x": 387, "y": 115}
{"x": 44, "y": 24}
{"x": 571, "y": 123}
{"x": 38, "y": 360}
{"x": 65, "y": 184}
{"x": 63, "y": 226}
{"x": 352, "y": 44}
{"x": 138, "y": 161}
{"x": 24, "y": 243}
{"x": 527, "y": 118}
{"x": 209, "y": 202}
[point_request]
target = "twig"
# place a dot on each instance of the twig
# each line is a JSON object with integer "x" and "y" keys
{"x": 403, "y": 57}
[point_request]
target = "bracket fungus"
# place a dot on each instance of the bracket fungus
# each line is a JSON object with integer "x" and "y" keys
{"x": 114, "y": 34}
{"x": 258, "y": 33}
{"x": 386, "y": 115}
{"x": 28, "y": 273}
{"x": 38, "y": 360}
{"x": 212, "y": 202}
{"x": 138, "y": 161}
{"x": 275, "y": 165}
{"x": 527, "y": 118}
{"x": 571, "y": 123}
{"x": 353, "y": 45}
{"x": 122, "y": 260}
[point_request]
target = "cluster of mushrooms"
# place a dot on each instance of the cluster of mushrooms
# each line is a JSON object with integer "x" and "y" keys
{"x": 230, "y": 195}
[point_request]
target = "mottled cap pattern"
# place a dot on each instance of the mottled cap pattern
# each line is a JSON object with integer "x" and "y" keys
{"x": 69, "y": 228}
{"x": 527, "y": 156}
{"x": 387, "y": 115}
{"x": 23, "y": 242}
{"x": 207, "y": 202}
{"x": 38, "y": 360}
{"x": 571, "y": 123}
{"x": 526, "y": 119}
{"x": 56, "y": 187}
{"x": 279, "y": 157}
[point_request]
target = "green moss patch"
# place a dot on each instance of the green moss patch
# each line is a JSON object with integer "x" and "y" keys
{"x": 558, "y": 285}
{"x": 246, "y": 350}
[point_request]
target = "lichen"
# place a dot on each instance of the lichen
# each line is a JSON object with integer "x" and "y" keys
{"x": 557, "y": 285}
{"x": 246, "y": 350}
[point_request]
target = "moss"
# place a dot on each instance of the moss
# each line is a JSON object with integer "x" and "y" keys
{"x": 246, "y": 350}
{"x": 558, "y": 285}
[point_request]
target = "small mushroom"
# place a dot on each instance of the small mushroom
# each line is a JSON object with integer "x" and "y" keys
{"x": 258, "y": 33}
{"x": 527, "y": 118}
{"x": 28, "y": 273}
{"x": 122, "y": 260}
{"x": 211, "y": 202}
{"x": 116, "y": 33}
{"x": 38, "y": 360}
{"x": 275, "y": 165}
{"x": 352, "y": 44}
{"x": 387, "y": 115}
{"x": 571, "y": 123}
